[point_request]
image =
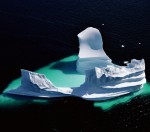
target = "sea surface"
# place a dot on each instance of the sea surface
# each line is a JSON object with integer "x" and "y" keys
{"x": 37, "y": 33}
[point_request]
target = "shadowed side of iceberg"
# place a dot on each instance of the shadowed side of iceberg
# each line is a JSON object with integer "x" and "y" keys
{"x": 90, "y": 92}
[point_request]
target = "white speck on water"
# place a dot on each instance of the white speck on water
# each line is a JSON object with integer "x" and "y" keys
{"x": 139, "y": 43}
{"x": 103, "y": 24}
{"x": 122, "y": 46}
{"x": 126, "y": 62}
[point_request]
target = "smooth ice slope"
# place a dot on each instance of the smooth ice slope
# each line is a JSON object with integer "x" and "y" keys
{"x": 103, "y": 79}
{"x": 91, "y": 52}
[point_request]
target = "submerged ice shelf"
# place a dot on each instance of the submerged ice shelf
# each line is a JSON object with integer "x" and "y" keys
{"x": 103, "y": 79}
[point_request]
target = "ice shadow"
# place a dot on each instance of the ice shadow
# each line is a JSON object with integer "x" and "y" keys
{"x": 66, "y": 67}
{"x": 30, "y": 98}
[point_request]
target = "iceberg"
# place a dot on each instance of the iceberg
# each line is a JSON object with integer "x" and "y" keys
{"x": 103, "y": 79}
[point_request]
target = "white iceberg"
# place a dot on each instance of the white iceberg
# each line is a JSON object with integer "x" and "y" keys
{"x": 103, "y": 79}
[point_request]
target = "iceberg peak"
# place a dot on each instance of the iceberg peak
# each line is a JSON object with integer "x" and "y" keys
{"x": 91, "y": 52}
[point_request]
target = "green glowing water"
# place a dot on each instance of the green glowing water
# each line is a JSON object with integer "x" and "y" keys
{"x": 63, "y": 73}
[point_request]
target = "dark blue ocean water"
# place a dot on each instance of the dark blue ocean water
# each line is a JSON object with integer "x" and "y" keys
{"x": 36, "y": 32}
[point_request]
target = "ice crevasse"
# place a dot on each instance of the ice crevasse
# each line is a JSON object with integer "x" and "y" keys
{"x": 103, "y": 79}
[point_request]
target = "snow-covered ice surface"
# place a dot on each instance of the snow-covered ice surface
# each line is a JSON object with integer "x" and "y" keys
{"x": 103, "y": 79}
